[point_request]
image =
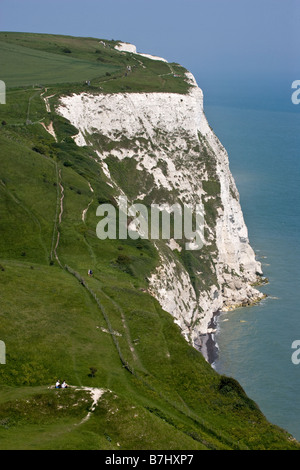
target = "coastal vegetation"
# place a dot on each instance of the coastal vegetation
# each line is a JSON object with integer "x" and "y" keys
{"x": 105, "y": 332}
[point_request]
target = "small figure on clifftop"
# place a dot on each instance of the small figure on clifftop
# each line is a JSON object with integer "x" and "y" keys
{"x": 90, "y": 272}
{"x": 57, "y": 385}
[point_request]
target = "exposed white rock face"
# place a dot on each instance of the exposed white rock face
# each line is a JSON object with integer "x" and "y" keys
{"x": 172, "y": 141}
{"x": 153, "y": 57}
{"x": 172, "y": 287}
{"x": 126, "y": 47}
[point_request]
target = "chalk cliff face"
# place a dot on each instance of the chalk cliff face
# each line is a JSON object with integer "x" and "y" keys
{"x": 165, "y": 139}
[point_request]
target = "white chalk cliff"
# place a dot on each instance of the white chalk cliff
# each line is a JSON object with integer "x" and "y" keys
{"x": 172, "y": 141}
{"x": 127, "y": 47}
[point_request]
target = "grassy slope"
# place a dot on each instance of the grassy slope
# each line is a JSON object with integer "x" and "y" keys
{"x": 30, "y": 59}
{"x": 25, "y": 66}
{"x": 161, "y": 393}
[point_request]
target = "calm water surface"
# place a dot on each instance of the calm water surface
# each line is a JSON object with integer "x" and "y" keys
{"x": 255, "y": 343}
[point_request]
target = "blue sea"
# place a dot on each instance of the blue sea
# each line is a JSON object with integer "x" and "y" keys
{"x": 263, "y": 142}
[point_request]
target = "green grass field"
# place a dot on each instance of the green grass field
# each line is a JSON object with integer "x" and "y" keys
{"x": 41, "y": 59}
{"x": 56, "y": 322}
{"x": 24, "y": 66}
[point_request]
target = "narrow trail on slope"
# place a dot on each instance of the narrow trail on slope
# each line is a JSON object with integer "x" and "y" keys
{"x": 49, "y": 129}
{"x": 62, "y": 197}
{"x": 28, "y": 107}
{"x": 139, "y": 61}
{"x": 46, "y": 100}
{"x": 103, "y": 311}
{"x": 96, "y": 394}
{"x": 126, "y": 329}
{"x": 83, "y": 215}
{"x": 56, "y": 213}
{"x": 59, "y": 216}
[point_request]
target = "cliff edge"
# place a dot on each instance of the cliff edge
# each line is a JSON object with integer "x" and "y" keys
{"x": 167, "y": 142}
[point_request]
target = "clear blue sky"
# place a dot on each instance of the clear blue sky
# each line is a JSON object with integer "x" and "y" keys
{"x": 228, "y": 41}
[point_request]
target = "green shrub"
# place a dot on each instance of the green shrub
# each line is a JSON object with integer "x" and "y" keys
{"x": 123, "y": 259}
{"x": 231, "y": 387}
{"x": 40, "y": 149}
